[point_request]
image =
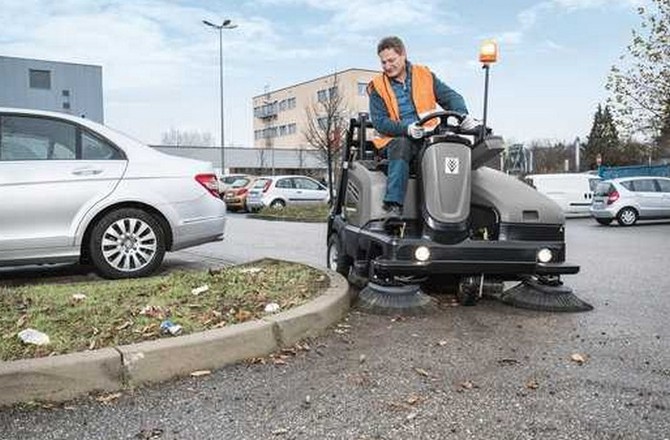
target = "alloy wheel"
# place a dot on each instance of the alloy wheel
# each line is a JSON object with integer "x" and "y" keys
{"x": 129, "y": 244}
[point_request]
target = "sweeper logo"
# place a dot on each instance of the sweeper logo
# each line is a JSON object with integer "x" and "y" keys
{"x": 451, "y": 165}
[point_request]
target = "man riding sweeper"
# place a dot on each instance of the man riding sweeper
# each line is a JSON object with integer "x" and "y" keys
{"x": 417, "y": 209}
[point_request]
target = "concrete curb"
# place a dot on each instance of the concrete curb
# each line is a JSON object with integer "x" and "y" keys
{"x": 61, "y": 378}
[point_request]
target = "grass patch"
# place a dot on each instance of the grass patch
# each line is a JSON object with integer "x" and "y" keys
{"x": 128, "y": 311}
{"x": 304, "y": 213}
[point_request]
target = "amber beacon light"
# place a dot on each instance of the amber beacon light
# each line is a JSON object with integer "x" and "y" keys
{"x": 488, "y": 52}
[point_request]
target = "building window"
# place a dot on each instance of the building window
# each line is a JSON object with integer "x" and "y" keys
{"x": 332, "y": 92}
{"x": 362, "y": 89}
{"x": 291, "y": 129}
{"x": 322, "y": 122}
{"x": 66, "y": 106}
{"x": 322, "y": 95}
{"x": 282, "y": 105}
{"x": 66, "y": 93}
{"x": 40, "y": 79}
{"x": 291, "y": 103}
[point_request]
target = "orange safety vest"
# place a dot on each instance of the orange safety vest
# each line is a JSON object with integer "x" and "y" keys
{"x": 423, "y": 96}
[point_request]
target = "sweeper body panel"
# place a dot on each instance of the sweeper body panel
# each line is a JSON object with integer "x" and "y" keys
{"x": 462, "y": 221}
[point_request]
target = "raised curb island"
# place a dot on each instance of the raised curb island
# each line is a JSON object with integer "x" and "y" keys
{"x": 64, "y": 377}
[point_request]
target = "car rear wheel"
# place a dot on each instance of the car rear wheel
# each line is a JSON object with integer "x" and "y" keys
{"x": 337, "y": 260}
{"x": 278, "y": 204}
{"x": 604, "y": 221}
{"x": 627, "y": 217}
{"x": 127, "y": 243}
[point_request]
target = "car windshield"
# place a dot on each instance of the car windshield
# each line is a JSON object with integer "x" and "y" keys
{"x": 603, "y": 189}
{"x": 229, "y": 179}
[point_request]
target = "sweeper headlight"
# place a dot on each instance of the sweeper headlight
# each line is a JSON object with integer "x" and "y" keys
{"x": 544, "y": 255}
{"x": 422, "y": 253}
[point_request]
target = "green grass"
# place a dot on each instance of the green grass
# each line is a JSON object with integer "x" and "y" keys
{"x": 306, "y": 213}
{"x": 111, "y": 315}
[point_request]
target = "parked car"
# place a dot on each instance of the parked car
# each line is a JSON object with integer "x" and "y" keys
{"x": 280, "y": 191}
{"x": 573, "y": 192}
{"x": 236, "y": 194}
{"x": 226, "y": 180}
{"x": 74, "y": 190}
{"x": 630, "y": 199}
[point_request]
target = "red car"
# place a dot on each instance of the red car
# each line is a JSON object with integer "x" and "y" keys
{"x": 235, "y": 196}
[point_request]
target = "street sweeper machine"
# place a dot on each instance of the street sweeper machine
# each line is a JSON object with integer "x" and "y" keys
{"x": 465, "y": 227}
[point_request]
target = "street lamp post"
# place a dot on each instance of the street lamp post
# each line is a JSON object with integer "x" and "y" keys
{"x": 226, "y": 24}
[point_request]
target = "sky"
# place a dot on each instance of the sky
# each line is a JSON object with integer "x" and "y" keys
{"x": 160, "y": 63}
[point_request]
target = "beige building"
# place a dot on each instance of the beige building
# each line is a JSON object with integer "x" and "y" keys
{"x": 280, "y": 116}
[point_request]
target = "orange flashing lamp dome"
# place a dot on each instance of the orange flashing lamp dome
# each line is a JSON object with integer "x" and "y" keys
{"x": 488, "y": 52}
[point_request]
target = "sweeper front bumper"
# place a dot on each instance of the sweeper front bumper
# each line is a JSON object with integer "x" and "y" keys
{"x": 508, "y": 259}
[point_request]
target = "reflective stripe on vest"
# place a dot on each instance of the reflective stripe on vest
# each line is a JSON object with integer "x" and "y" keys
{"x": 423, "y": 96}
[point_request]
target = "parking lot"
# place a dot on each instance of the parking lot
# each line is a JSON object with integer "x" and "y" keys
{"x": 489, "y": 371}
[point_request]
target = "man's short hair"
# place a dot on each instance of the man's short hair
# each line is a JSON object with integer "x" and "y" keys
{"x": 394, "y": 43}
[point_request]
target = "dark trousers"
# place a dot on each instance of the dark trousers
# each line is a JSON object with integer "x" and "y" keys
{"x": 400, "y": 153}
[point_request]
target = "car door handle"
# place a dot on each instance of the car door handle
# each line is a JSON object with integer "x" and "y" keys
{"x": 87, "y": 171}
{"x": 298, "y": 192}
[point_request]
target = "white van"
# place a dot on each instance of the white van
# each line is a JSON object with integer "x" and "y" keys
{"x": 572, "y": 191}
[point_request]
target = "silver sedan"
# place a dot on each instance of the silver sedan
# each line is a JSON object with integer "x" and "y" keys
{"x": 74, "y": 190}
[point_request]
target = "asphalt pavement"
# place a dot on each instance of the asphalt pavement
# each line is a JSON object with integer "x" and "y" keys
{"x": 489, "y": 371}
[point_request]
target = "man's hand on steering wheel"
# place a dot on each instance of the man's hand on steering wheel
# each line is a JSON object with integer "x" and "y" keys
{"x": 469, "y": 123}
{"x": 415, "y": 131}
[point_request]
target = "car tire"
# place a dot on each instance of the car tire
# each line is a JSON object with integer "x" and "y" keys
{"x": 127, "y": 243}
{"x": 604, "y": 221}
{"x": 627, "y": 216}
{"x": 336, "y": 259}
{"x": 278, "y": 204}
{"x": 466, "y": 293}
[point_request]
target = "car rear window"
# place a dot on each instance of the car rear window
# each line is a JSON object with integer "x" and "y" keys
{"x": 260, "y": 183}
{"x": 593, "y": 183}
{"x": 603, "y": 189}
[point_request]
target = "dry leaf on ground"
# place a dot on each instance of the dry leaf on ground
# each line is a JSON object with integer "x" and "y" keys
{"x": 532, "y": 384}
{"x": 578, "y": 358}
{"x": 422, "y": 372}
{"x": 107, "y": 398}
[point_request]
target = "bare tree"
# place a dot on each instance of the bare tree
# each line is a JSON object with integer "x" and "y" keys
{"x": 640, "y": 85}
{"x": 187, "y": 138}
{"x": 326, "y": 126}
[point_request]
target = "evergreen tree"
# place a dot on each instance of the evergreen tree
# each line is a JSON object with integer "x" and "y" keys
{"x": 603, "y": 140}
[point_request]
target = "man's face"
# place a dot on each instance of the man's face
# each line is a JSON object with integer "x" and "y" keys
{"x": 393, "y": 63}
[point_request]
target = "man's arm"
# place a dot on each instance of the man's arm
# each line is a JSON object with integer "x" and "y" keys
{"x": 380, "y": 119}
{"x": 448, "y": 98}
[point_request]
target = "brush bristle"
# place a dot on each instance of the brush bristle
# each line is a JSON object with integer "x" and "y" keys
{"x": 544, "y": 298}
{"x": 395, "y": 300}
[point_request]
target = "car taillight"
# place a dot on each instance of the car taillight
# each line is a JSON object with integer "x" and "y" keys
{"x": 209, "y": 182}
{"x": 612, "y": 197}
{"x": 266, "y": 187}
{"x": 242, "y": 191}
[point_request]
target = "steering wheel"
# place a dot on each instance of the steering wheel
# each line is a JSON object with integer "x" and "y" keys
{"x": 446, "y": 115}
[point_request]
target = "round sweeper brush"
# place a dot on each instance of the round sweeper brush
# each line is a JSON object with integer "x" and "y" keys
{"x": 395, "y": 300}
{"x": 535, "y": 295}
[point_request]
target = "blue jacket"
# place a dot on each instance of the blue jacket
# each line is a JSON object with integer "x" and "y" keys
{"x": 448, "y": 99}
